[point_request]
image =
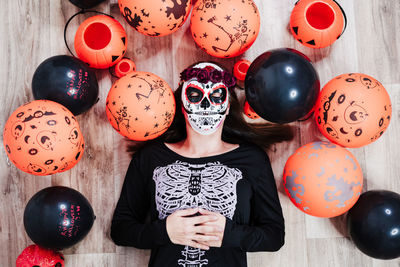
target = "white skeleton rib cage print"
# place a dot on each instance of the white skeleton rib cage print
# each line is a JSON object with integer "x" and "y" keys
{"x": 182, "y": 185}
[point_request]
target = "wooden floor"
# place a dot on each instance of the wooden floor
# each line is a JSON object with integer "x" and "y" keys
{"x": 32, "y": 30}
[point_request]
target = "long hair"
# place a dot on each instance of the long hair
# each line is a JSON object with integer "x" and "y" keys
{"x": 235, "y": 128}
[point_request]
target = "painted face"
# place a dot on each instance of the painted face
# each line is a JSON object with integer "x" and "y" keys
{"x": 205, "y": 104}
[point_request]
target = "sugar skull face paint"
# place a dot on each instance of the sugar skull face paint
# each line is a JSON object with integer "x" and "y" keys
{"x": 205, "y": 98}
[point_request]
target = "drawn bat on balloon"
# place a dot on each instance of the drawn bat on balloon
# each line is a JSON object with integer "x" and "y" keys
{"x": 178, "y": 10}
{"x": 134, "y": 22}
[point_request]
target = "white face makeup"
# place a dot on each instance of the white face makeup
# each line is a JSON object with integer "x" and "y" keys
{"x": 205, "y": 104}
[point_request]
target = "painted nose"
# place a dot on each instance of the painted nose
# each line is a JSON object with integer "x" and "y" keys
{"x": 205, "y": 103}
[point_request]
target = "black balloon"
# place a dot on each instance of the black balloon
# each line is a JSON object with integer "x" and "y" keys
{"x": 68, "y": 81}
{"x": 86, "y": 3}
{"x": 282, "y": 85}
{"x": 374, "y": 224}
{"x": 58, "y": 217}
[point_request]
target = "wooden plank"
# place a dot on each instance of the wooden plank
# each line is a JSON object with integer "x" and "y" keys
{"x": 34, "y": 31}
{"x": 382, "y": 156}
{"x": 333, "y": 252}
{"x": 91, "y": 260}
{"x": 20, "y": 49}
{"x": 378, "y": 41}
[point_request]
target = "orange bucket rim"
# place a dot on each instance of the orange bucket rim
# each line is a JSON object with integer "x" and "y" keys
{"x": 331, "y": 9}
{"x": 84, "y": 31}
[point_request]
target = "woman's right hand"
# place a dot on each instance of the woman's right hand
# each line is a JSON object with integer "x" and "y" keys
{"x": 188, "y": 231}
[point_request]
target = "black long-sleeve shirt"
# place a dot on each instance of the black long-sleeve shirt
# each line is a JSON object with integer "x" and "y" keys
{"x": 238, "y": 184}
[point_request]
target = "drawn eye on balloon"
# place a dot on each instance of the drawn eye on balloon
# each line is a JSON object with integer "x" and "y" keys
{"x": 46, "y": 139}
{"x": 18, "y": 129}
{"x": 74, "y": 136}
{"x": 367, "y": 82}
{"x": 355, "y": 114}
{"x": 330, "y": 130}
{"x": 64, "y": 166}
{"x": 36, "y": 169}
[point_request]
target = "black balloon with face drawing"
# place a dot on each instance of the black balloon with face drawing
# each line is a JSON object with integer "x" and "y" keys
{"x": 353, "y": 110}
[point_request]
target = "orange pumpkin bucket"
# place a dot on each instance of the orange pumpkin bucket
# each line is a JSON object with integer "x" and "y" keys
{"x": 124, "y": 67}
{"x": 140, "y": 106}
{"x": 249, "y": 112}
{"x": 353, "y": 110}
{"x": 317, "y": 23}
{"x": 100, "y": 41}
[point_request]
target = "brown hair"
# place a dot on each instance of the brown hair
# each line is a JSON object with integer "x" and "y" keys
{"x": 235, "y": 129}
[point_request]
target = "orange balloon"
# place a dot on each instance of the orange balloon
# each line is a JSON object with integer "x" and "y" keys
{"x": 124, "y": 67}
{"x": 225, "y": 28}
{"x": 323, "y": 179}
{"x": 317, "y": 23}
{"x": 100, "y": 41}
{"x": 249, "y": 112}
{"x": 140, "y": 106}
{"x": 155, "y": 17}
{"x": 353, "y": 110}
{"x": 42, "y": 137}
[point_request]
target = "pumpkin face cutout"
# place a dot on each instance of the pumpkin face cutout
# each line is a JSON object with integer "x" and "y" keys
{"x": 249, "y": 112}
{"x": 140, "y": 106}
{"x": 353, "y": 110}
{"x": 317, "y": 23}
{"x": 323, "y": 179}
{"x": 225, "y": 29}
{"x": 42, "y": 138}
{"x": 155, "y": 17}
{"x": 37, "y": 256}
{"x": 100, "y": 41}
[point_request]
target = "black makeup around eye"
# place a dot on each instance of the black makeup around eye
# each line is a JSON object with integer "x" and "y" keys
{"x": 194, "y": 95}
{"x": 218, "y": 96}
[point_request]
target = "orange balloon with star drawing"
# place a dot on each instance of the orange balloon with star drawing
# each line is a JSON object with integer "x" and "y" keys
{"x": 353, "y": 110}
{"x": 140, "y": 106}
{"x": 155, "y": 17}
{"x": 43, "y": 137}
{"x": 226, "y": 28}
{"x": 323, "y": 179}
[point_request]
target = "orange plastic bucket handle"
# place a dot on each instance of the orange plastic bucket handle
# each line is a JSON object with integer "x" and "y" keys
{"x": 344, "y": 15}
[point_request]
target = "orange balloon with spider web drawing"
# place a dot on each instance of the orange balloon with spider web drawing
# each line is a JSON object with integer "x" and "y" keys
{"x": 140, "y": 106}
{"x": 226, "y": 28}
{"x": 155, "y": 17}
{"x": 42, "y": 137}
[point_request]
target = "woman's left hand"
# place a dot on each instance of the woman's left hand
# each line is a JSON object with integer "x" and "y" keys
{"x": 220, "y": 222}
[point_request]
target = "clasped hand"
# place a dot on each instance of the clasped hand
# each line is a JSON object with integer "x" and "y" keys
{"x": 202, "y": 231}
